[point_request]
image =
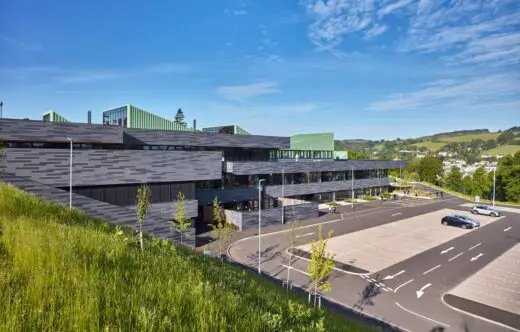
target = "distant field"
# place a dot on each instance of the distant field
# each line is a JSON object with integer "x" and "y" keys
{"x": 378, "y": 147}
{"x": 432, "y": 146}
{"x": 468, "y": 138}
{"x": 504, "y": 149}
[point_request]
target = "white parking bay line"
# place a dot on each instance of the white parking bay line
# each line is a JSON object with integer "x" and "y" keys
{"x": 396, "y": 214}
{"x": 305, "y": 235}
{"x": 505, "y": 230}
{"x": 476, "y": 245}
{"x": 406, "y": 283}
{"x": 449, "y": 260}
{"x": 418, "y": 315}
{"x": 433, "y": 268}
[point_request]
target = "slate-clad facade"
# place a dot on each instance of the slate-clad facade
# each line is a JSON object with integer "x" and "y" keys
{"x": 110, "y": 162}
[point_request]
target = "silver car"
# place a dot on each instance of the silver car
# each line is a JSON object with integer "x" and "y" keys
{"x": 486, "y": 210}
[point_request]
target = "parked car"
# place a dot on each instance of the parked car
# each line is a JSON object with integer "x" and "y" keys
{"x": 486, "y": 210}
{"x": 460, "y": 221}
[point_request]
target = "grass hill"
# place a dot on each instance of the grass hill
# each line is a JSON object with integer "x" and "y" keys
{"x": 63, "y": 271}
{"x": 469, "y": 138}
{"x": 432, "y": 146}
{"x": 504, "y": 149}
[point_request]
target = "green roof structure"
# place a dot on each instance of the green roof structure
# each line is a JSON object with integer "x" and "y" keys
{"x": 129, "y": 116}
{"x": 314, "y": 142}
{"x": 52, "y": 116}
{"x": 227, "y": 129}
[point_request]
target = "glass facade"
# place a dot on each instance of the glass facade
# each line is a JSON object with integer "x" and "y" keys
{"x": 250, "y": 181}
{"x": 116, "y": 117}
{"x": 229, "y": 130}
{"x": 302, "y": 154}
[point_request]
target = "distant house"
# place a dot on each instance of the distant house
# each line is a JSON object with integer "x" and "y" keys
{"x": 420, "y": 155}
{"x": 500, "y": 156}
{"x": 486, "y": 156}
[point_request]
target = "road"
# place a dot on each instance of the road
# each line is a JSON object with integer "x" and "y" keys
{"x": 408, "y": 294}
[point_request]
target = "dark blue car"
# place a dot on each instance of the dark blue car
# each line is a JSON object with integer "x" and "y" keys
{"x": 460, "y": 221}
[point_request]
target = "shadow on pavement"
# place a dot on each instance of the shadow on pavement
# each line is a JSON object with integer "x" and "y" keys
{"x": 267, "y": 255}
{"x": 339, "y": 265}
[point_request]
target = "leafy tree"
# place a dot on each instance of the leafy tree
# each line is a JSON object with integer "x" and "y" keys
{"x": 430, "y": 168}
{"x": 182, "y": 222}
{"x": 179, "y": 117}
{"x": 480, "y": 182}
{"x": 454, "y": 180}
{"x": 220, "y": 231}
{"x": 490, "y": 144}
{"x": 505, "y": 138}
{"x": 143, "y": 203}
{"x": 512, "y": 188}
{"x": 320, "y": 265}
{"x": 467, "y": 186}
{"x": 291, "y": 235}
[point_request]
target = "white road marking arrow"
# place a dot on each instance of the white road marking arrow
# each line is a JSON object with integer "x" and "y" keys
{"x": 447, "y": 250}
{"x": 505, "y": 230}
{"x": 476, "y": 257}
{"x": 421, "y": 291}
{"x": 393, "y": 276}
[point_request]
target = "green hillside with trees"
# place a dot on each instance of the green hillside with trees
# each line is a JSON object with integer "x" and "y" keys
{"x": 63, "y": 271}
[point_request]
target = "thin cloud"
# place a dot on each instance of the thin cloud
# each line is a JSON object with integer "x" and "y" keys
{"x": 464, "y": 93}
{"x": 375, "y": 31}
{"x": 394, "y": 6}
{"x": 17, "y": 43}
{"x": 235, "y": 12}
{"x": 244, "y": 92}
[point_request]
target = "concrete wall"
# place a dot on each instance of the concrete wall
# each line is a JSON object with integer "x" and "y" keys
{"x": 249, "y": 219}
{"x": 303, "y": 166}
{"x": 118, "y": 215}
{"x": 324, "y": 187}
{"x": 39, "y": 131}
{"x": 106, "y": 167}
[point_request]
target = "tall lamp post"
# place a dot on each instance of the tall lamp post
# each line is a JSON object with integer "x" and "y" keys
{"x": 70, "y": 174}
{"x": 494, "y": 173}
{"x": 283, "y": 184}
{"x": 259, "y": 222}
{"x": 1, "y": 109}
{"x": 352, "y": 183}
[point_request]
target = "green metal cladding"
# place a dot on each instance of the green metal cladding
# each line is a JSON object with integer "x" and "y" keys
{"x": 321, "y": 141}
{"x": 141, "y": 119}
{"x": 52, "y": 116}
{"x": 241, "y": 131}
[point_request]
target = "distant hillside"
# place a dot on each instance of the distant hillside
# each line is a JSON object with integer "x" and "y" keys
{"x": 468, "y": 144}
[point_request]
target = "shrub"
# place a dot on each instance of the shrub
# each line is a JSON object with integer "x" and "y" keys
{"x": 368, "y": 198}
{"x": 387, "y": 195}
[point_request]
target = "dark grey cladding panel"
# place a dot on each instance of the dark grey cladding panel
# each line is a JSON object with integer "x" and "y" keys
{"x": 161, "y": 137}
{"x": 324, "y": 187}
{"x": 227, "y": 195}
{"x": 124, "y": 216}
{"x": 41, "y": 131}
{"x": 269, "y": 167}
{"x": 249, "y": 219}
{"x": 106, "y": 167}
{"x": 168, "y": 211}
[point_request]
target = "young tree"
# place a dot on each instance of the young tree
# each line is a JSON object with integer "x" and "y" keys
{"x": 143, "y": 203}
{"x": 182, "y": 222}
{"x": 467, "y": 186}
{"x": 321, "y": 265}
{"x": 220, "y": 232}
{"x": 291, "y": 234}
{"x": 480, "y": 182}
{"x": 179, "y": 117}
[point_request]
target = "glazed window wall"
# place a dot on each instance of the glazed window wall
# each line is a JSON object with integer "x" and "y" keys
{"x": 116, "y": 117}
{"x": 302, "y": 154}
{"x": 57, "y": 145}
{"x": 230, "y": 130}
{"x": 208, "y": 185}
{"x": 250, "y": 181}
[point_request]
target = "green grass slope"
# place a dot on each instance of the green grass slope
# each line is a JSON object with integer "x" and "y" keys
{"x": 63, "y": 271}
{"x": 432, "y": 146}
{"x": 504, "y": 149}
{"x": 468, "y": 138}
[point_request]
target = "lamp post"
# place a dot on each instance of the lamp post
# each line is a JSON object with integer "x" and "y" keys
{"x": 259, "y": 222}
{"x": 70, "y": 174}
{"x": 1, "y": 109}
{"x": 283, "y": 184}
{"x": 494, "y": 173}
{"x": 352, "y": 182}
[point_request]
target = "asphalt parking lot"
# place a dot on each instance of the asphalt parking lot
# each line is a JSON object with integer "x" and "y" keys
{"x": 374, "y": 249}
{"x": 496, "y": 285}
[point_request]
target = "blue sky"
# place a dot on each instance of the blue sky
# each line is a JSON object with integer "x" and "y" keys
{"x": 361, "y": 69}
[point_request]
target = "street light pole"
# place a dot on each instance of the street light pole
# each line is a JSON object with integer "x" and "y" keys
{"x": 352, "y": 183}
{"x": 283, "y": 205}
{"x": 70, "y": 174}
{"x": 1, "y": 109}
{"x": 259, "y": 222}
{"x": 494, "y": 173}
